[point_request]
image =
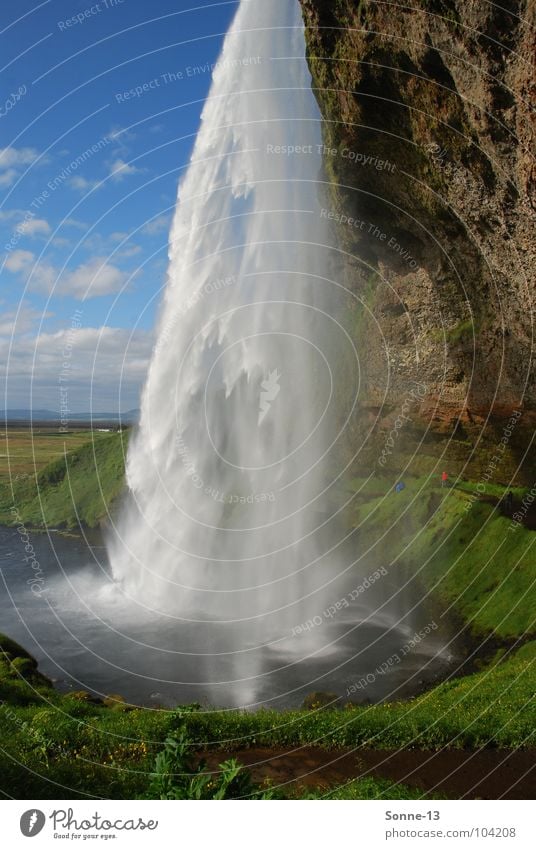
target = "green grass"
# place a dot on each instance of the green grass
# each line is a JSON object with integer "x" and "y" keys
{"x": 50, "y": 740}
{"x": 25, "y": 451}
{"x": 461, "y": 548}
{"x": 78, "y": 487}
{"x": 371, "y": 788}
{"x": 495, "y": 707}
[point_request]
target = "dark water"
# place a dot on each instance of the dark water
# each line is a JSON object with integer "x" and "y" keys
{"x": 86, "y": 635}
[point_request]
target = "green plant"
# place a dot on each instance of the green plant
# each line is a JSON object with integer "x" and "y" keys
{"x": 178, "y": 775}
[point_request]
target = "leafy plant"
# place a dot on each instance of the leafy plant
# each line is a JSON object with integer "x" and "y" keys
{"x": 179, "y": 775}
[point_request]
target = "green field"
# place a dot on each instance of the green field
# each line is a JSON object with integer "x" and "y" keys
{"x": 77, "y": 487}
{"x": 25, "y": 451}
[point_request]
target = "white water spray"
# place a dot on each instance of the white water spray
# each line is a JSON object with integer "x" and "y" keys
{"x": 226, "y": 524}
{"x": 227, "y": 471}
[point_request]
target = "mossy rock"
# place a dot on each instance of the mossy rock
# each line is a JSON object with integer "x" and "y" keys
{"x": 319, "y": 701}
{"x": 83, "y": 696}
{"x": 13, "y": 650}
{"x": 25, "y": 666}
{"x": 17, "y": 664}
{"x": 114, "y": 701}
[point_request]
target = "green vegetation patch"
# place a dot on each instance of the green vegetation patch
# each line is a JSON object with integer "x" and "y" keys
{"x": 25, "y": 451}
{"x": 78, "y": 487}
{"x": 459, "y": 544}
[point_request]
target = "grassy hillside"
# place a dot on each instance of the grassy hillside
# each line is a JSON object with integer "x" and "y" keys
{"x": 78, "y": 487}
{"x": 461, "y": 547}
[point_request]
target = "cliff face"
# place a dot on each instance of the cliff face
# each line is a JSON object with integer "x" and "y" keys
{"x": 429, "y": 141}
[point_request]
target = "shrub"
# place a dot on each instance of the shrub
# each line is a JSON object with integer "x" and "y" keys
{"x": 177, "y": 775}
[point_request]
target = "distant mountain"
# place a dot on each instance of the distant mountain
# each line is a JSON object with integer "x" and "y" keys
{"x": 128, "y": 417}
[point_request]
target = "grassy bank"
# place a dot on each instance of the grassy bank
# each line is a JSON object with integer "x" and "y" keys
{"x": 79, "y": 486}
{"x": 458, "y": 543}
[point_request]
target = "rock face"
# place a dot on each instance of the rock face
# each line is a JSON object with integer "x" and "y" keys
{"x": 429, "y": 141}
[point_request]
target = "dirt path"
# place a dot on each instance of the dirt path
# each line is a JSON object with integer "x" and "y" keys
{"x": 486, "y": 774}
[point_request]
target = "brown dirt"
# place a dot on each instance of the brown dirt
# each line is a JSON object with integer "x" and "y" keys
{"x": 457, "y": 774}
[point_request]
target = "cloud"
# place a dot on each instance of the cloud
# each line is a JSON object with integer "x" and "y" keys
{"x": 96, "y": 277}
{"x": 106, "y": 364}
{"x": 108, "y": 244}
{"x": 13, "y": 160}
{"x": 157, "y": 225}
{"x": 25, "y": 223}
{"x": 8, "y": 177}
{"x": 11, "y": 157}
{"x": 120, "y": 136}
{"x": 33, "y": 227}
{"x": 19, "y": 261}
{"x": 83, "y": 185}
{"x": 119, "y": 169}
{"x": 19, "y": 322}
{"x": 128, "y": 251}
{"x": 108, "y": 344}
{"x": 73, "y": 222}
{"x": 91, "y": 279}
{"x": 43, "y": 278}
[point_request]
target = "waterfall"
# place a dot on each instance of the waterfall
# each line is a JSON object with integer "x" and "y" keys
{"x": 227, "y": 472}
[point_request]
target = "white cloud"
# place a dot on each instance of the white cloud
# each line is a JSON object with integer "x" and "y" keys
{"x": 73, "y": 222}
{"x": 119, "y": 169}
{"x": 107, "y": 365}
{"x": 19, "y": 322}
{"x": 83, "y": 185}
{"x": 128, "y": 251}
{"x": 8, "y": 177}
{"x": 120, "y": 136}
{"x": 43, "y": 278}
{"x": 108, "y": 344}
{"x": 25, "y": 223}
{"x": 12, "y": 157}
{"x": 157, "y": 225}
{"x": 33, "y": 227}
{"x": 91, "y": 279}
{"x": 19, "y": 261}
{"x": 96, "y": 277}
{"x": 13, "y": 160}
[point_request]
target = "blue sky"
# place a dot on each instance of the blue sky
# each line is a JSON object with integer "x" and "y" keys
{"x": 99, "y": 107}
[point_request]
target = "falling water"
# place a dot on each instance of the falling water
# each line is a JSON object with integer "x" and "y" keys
{"x": 226, "y": 524}
{"x": 226, "y": 472}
